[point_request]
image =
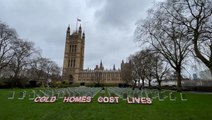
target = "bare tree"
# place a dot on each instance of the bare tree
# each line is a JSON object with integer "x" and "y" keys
{"x": 160, "y": 68}
{"x": 150, "y": 59}
{"x": 37, "y": 68}
{"x": 52, "y": 70}
{"x": 196, "y": 15}
{"x": 141, "y": 66}
{"x": 169, "y": 38}
{"x": 137, "y": 68}
{"x": 7, "y": 37}
{"x": 23, "y": 51}
{"x": 149, "y": 65}
{"x": 18, "y": 59}
{"x": 126, "y": 72}
{"x": 44, "y": 69}
{"x": 56, "y": 72}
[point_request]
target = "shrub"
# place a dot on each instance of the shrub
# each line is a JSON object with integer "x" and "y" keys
{"x": 33, "y": 83}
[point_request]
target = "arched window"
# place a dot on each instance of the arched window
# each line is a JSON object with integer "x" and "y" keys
{"x": 71, "y": 77}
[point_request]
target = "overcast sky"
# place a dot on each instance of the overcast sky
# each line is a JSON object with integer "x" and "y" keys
{"x": 108, "y": 24}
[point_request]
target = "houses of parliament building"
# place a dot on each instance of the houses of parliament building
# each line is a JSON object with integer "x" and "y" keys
{"x": 74, "y": 60}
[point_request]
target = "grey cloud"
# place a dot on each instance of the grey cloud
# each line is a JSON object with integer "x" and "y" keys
{"x": 108, "y": 25}
{"x": 121, "y": 13}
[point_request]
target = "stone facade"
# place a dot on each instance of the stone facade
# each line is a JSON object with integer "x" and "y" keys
{"x": 74, "y": 60}
{"x": 74, "y": 54}
{"x": 101, "y": 75}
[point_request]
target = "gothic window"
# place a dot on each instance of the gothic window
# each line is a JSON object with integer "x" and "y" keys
{"x": 75, "y": 48}
{"x": 68, "y": 63}
{"x": 71, "y": 62}
{"x": 70, "y": 49}
{"x": 74, "y": 63}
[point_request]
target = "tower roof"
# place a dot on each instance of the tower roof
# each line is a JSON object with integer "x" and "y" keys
{"x": 68, "y": 29}
{"x": 80, "y": 29}
{"x": 83, "y": 35}
{"x": 114, "y": 67}
{"x": 101, "y": 65}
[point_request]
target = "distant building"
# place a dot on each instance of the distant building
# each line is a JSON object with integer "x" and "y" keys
{"x": 195, "y": 77}
{"x": 74, "y": 61}
{"x": 100, "y": 75}
{"x": 205, "y": 75}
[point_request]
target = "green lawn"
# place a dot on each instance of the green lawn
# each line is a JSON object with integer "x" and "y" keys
{"x": 198, "y": 107}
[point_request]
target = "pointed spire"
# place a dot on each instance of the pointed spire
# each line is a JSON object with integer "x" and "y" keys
{"x": 80, "y": 29}
{"x": 97, "y": 67}
{"x": 122, "y": 62}
{"x": 114, "y": 67}
{"x": 130, "y": 62}
{"x": 83, "y": 35}
{"x": 68, "y": 30}
{"x": 101, "y": 65}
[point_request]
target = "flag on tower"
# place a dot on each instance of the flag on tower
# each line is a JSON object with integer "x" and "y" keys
{"x": 79, "y": 20}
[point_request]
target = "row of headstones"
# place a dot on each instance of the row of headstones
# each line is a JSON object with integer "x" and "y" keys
{"x": 153, "y": 94}
{"x": 59, "y": 93}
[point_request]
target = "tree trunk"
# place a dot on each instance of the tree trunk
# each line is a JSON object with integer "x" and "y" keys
{"x": 200, "y": 55}
{"x": 139, "y": 83}
{"x": 149, "y": 83}
{"x": 143, "y": 83}
{"x": 159, "y": 84}
{"x": 16, "y": 77}
{"x": 210, "y": 72}
{"x": 178, "y": 72}
{"x": 135, "y": 83}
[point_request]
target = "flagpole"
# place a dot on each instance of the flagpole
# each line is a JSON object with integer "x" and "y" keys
{"x": 78, "y": 20}
{"x": 76, "y": 25}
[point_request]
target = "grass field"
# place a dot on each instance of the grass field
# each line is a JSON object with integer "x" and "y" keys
{"x": 197, "y": 107}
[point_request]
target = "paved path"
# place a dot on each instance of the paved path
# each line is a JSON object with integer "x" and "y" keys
{"x": 196, "y": 92}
